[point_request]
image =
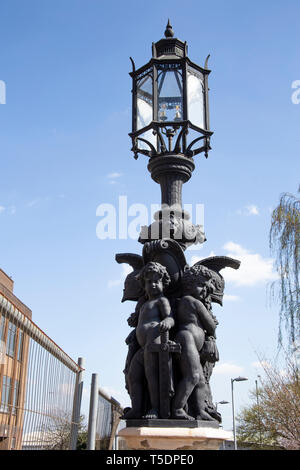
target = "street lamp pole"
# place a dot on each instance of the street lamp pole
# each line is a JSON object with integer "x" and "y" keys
{"x": 258, "y": 411}
{"x": 222, "y": 402}
{"x": 237, "y": 379}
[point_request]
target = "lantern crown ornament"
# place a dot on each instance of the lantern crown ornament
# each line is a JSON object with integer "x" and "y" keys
{"x": 170, "y": 111}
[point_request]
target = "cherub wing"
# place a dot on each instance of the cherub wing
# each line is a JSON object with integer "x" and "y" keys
{"x": 135, "y": 261}
{"x": 215, "y": 264}
{"x": 132, "y": 287}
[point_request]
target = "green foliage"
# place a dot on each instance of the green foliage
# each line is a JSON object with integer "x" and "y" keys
{"x": 273, "y": 419}
{"x": 253, "y": 429}
{"x": 284, "y": 240}
{"x": 82, "y": 440}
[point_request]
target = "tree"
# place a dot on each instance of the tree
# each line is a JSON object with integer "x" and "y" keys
{"x": 82, "y": 439}
{"x": 56, "y": 432}
{"x": 273, "y": 421}
{"x": 284, "y": 241}
{"x": 252, "y": 429}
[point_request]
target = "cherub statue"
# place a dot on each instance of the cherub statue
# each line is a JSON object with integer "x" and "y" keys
{"x": 193, "y": 323}
{"x": 202, "y": 285}
{"x": 153, "y": 318}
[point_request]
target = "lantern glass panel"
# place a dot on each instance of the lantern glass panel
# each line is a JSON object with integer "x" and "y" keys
{"x": 195, "y": 93}
{"x": 169, "y": 91}
{"x": 144, "y": 101}
{"x": 150, "y": 137}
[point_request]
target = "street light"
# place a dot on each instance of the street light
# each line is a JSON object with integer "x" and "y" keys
{"x": 170, "y": 98}
{"x": 223, "y": 402}
{"x": 237, "y": 379}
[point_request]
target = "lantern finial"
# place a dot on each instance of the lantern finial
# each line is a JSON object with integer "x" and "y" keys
{"x": 169, "y": 33}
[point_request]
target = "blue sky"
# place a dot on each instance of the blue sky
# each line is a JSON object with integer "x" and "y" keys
{"x": 65, "y": 149}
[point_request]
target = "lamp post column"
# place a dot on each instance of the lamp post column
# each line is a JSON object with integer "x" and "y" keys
{"x": 258, "y": 411}
{"x": 233, "y": 415}
{"x": 237, "y": 379}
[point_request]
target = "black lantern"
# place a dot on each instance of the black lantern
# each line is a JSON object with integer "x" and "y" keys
{"x": 170, "y": 102}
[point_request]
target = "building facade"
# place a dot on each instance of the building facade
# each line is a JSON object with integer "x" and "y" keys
{"x": 14, "y": 343}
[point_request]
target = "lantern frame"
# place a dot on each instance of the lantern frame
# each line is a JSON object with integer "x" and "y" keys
{"x": 169, "y": 136}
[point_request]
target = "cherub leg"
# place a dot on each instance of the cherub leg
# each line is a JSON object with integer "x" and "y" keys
{"x": 201, "y": 399}
{"x": 190, "y": 369}
{"x": 198, "y": 399}
{"x": 152, "y": 375}
{"x": 135, "y": 384}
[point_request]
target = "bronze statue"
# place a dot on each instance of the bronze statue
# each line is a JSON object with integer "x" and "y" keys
{"x": 172, "y": 348}
{"x": 169, "y": 377}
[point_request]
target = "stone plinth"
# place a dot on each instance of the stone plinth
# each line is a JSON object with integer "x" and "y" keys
{"x": 174, "y": 438}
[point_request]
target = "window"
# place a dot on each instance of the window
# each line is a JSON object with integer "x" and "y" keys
{"x": 5, "y": 404}
{"x": 2, "y": 343}
{"x": 20, "y": 347}
{"x": 6, "y": 384}
{"x": 11, "y": 339}
{"x": 2, "y": 329}
{"x": 15, "y": 397}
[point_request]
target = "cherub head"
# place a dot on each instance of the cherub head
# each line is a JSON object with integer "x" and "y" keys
{"x": 198, "y": 282}
{"x": 154, "y": 278}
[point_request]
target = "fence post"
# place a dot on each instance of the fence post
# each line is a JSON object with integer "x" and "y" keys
{"x": 77, "y": 406}
{"x": 93, "y": 413}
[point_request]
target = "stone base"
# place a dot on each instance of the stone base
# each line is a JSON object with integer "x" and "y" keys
{"x": 170, "y": 423}
{"x": 173, "y": 438}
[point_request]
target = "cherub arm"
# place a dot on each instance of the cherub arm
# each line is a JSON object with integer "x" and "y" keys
{"x": 167, "y": 316}
{"x": 206, "y": 318}
{"x": 134, "y": 317}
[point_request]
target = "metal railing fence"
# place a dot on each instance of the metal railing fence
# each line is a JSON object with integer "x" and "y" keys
{"x": 39, "y": 386}
{"x": 104, "y": 418}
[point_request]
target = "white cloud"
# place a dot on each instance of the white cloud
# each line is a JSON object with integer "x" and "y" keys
{"x": 112, "y": 176}
{"x": 33, "y": 203}
{"x": 251, "y": 209}
{"x": 261, "y": 364}
{"x": 11, "y": 210}
{"x": 126, "y": 269}
{"x": 254, "y": 268}
{"x": 227, "y": 368}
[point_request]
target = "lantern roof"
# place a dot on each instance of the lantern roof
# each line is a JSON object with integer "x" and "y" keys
{"x": 169, "y": 46}
{"x": 168, "y": 49}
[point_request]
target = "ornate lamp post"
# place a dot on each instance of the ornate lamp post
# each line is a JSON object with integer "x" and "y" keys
{"x": 172, "y": 348}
